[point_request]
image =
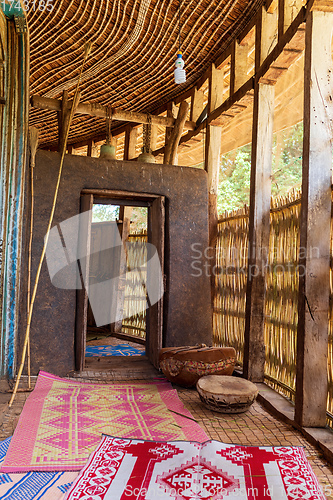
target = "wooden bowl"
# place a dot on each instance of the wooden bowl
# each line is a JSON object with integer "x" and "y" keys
{"x": 185, "y": 365}
{"x": 226, "y": 394}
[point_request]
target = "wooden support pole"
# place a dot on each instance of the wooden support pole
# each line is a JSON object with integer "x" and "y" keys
{"x": 124, "y": 230}
{"x": 259, "y": 221}
{"x": 131, "y": 135}
{"x": 63, "y": 121}
{"x": 213, "y": 149}
{"x": 216, "y": 88}
{"x": 212, "y": 166}
{"x": 239, "y": 66}
{"x": 281, "y": 22}
{"x": 153, "y": 137}
{"x": 172, "y": 146}
{"x": 90, "y": 148}
{"x": 62, "y": 114}
{"x": 172, "y": 112}
{"x": 269, "y": 33}
{"x": 259, "y": 227}
{"x": 291, "y": 9}
{"x": 315, "y": 227}
{"x": 197, "y": 104}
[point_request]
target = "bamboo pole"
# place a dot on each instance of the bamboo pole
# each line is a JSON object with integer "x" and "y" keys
{"x": 33, "y": 135}
{"x": 27, "y": 333}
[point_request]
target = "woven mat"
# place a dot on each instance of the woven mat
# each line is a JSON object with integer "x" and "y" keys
{"x": 137, "y": 469}
{"x": 62, "y": 421}
{"x": 111, "y": 350}
{"x": 33, "y": 485}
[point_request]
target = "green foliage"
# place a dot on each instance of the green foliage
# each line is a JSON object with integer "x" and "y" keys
{"x": 234, "y": 187}
{"x": 139, "y": 219}
{"x": 102, "y": 213}
{"x": 287, "y": 160}
{"x": 139, "y": 216}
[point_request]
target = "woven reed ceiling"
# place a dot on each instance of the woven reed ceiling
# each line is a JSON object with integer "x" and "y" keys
{"x": 132, "y": 60}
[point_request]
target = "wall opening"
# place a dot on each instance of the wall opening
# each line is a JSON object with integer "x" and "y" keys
{"x": 118, "y": 312}
{"x": 127, "y": 336}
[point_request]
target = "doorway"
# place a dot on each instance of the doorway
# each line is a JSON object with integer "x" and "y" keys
{"x": 127, "y": 335}
{"x": 123, "y": 234}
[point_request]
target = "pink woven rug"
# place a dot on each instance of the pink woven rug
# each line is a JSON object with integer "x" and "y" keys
{"x": 63, "y": 420}
{"x": 125, "y": 469}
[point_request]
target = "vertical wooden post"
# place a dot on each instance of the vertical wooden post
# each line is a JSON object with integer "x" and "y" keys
{"x": 63, "y": 116}
{"x": 154, "y": 137}
{"x": 131, "y": 135}
{"x": 213, "y": 150}
{"x": 172, "y": 112}
{"x": 124, "y": 229}
{"x": 63, "y": 120}
{"x": 83, "y": 285}
{"x": 259, "y": 224}
{"x": 171, "y": 147}
{"x": 288, "y": 10}
{"x": 197, "y": 104}
{"x": 90, "y": 148}
{"x": 291, "y": 9}
{"x": 269, "y": 34}
{"x": 212, "y": 166}
{"x": 314, "y": 281}
{"x": 239, "y": 66}
{"x": 281, "y": 22}
{"x": 154, "y": 318}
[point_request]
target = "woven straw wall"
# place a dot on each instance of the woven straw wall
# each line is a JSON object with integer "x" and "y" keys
{"x": 230, "y": 281}
{"x": 281, "y": 293}
{"x": 135, "y": 296}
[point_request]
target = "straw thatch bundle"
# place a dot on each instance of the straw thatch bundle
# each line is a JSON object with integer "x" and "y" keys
{"x": 134, "y": 48}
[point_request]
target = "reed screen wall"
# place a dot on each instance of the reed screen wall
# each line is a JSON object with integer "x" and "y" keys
{"x": 230, "y": 281}
{"x": 281, "y": 293}
{"x": 135, "y": 302}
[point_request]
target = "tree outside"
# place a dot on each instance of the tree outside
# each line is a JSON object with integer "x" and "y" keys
{"x": 234, "y": 187}
{"x": 139, "y": 216}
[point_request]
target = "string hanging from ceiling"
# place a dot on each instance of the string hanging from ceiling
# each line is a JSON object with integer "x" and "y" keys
{"x": 180, "y": 73}
{"x": 108, "y": 150}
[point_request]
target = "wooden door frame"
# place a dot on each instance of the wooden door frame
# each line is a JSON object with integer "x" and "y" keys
{"x": 155, "y": 314}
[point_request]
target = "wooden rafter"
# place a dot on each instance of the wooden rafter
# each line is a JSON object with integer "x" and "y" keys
{"x": 95, "y": 109}
{"x": 274, "y": 60}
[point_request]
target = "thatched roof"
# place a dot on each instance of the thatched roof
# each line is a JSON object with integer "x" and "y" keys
{"x": 134, "y": 48}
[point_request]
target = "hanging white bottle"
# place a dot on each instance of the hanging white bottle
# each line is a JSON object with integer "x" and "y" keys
{"x": 180, "y": 74}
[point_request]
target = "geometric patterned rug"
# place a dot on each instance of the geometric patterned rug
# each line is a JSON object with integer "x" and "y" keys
{"x": 33, "y": 485}
{"x": 122, "y": 469}
{"x": 114, "y": 350}
{"x": 63, "y": 420}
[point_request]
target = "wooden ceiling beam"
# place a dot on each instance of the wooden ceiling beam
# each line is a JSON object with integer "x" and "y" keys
{"x": 100, "y": 111}
{"x": 285, "y": 52}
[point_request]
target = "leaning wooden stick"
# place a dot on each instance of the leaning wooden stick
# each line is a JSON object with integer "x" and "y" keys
{"x": 63, "y": 152}
{"x": 33, "y": 135}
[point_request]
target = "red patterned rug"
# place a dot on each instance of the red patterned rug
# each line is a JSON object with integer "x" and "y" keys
{"x": 63, "y": 420}
{"x": 125, "y": 469}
